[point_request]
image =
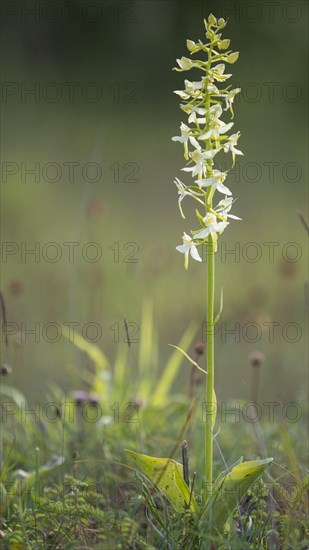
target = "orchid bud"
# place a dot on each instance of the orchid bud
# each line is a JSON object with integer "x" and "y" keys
{"x": 232, "y": 57}
{"x": 212, "y": 20}
{"x": 224, "y": 44}
{"x": 191, "y": 45}
{"x": 221, "y": 22}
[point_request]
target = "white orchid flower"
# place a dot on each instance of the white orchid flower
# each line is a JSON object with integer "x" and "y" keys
{"x": 186, "y": 135}
{"x": 212, "y": 227}
{"x": 193, "y": 89}
{"x": 192, "y": 111}
{"x": 188, "y": 247}
{"x": 218, "y": 73}
{"x": 216, "y": 126}
{"x": 230, "y": 146}
{"x": 212, "y": 89}
{"x": 184, "y": 192}
{"x": 200, "y": 157}
{"x": 224, "y": 206}
{"x": 216, "y": 181}
{"x": 229, "y": 99}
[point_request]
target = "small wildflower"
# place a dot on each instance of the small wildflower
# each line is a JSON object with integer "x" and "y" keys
{"x": 80, "y": 397}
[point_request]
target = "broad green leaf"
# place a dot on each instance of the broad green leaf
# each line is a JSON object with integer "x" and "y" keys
{"x": 230, "y": 488}
{"x": 172, "y": 367}
{"x": 150, "y": 502}
{"x": 167, "y": 475}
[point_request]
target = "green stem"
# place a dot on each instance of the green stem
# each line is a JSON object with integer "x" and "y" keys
{"x": 210, "y": 366}
{"x": 210, "y": 324}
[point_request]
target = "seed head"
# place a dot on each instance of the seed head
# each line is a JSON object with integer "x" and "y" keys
{"x": 256, "y": 359}
{"x": 5, "y": 370}
{"x": 199, "y": 348}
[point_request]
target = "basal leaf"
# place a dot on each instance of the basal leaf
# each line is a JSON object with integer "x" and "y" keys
{"x": 167, "y": 475}
{"x": 230, "y": 488}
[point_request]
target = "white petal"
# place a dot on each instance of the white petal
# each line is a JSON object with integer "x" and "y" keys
{"x": 194, "y": 142}
{"x": 192, "y": 117}
{"x": 223, "y": 189}
{"x": 206, "y": 135}
{"x": 220, "y": 226}
{"x": 182, "y": 94}
{"x": 182, "y": 139}
{"x": 225, "y": 128}
{"x": 218, "y": 68}
{"x": 205, "y": 182}
{"x": 200, "y": 110}
{"x": 197, "y": 85}
{"x": 184, "y": 248}
{"x": 202, "y": 234}
{"x": 197, "y": 169}
{"x": 233, "y": 217}
{"x": 210, "y": 154}
{"x": 194, "y": 253}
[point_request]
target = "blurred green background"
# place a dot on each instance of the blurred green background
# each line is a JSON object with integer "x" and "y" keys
{"x": 103, "y": 94}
